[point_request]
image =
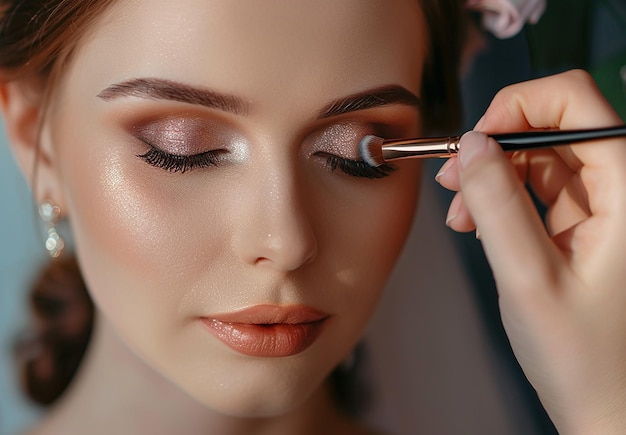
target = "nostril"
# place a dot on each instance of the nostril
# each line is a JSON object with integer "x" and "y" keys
{"x": 261, "y": 260}
{"x": 287, "y": 256}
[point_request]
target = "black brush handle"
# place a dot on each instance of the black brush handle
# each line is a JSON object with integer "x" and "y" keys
{"x": 541, "y": 139}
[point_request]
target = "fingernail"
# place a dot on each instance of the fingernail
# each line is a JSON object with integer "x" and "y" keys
{"x": 444, "y": 168}
{"x": 449, "y": 219}
{"x": 472, "y": 145}
{"x": 453, "y": 211}
{"x": 477, "y": 234}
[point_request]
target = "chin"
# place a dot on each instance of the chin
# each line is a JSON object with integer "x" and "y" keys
{"x": 256, "y": 407}
{"x": 257, "y": 395}
{"x": 240, "y": 386}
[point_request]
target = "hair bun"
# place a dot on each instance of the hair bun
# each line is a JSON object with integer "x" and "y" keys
{"x": 63, "y": 314}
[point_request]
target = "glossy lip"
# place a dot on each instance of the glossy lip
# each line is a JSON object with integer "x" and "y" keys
{"x": 268, "y": 331}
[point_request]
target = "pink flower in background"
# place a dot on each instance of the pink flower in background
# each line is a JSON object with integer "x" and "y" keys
{"x": 505, "y": 18}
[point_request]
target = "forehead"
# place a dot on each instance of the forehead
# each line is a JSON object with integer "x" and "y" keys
{"x": 258, "y": 48}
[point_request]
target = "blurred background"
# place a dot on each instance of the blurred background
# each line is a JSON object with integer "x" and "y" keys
{"x": 439, "y": 360}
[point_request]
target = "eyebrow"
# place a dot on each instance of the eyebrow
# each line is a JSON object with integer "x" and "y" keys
{"x": 369, "y": 99}
{"x": 162, "y": 89}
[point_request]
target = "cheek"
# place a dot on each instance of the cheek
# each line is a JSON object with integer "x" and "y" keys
{"x": 365, "y": 240}
{"x": 377, "y": 222}
{"x": 140, "y": 242}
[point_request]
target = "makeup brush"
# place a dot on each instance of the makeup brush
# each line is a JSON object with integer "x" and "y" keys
{"x": 375, "y": 151}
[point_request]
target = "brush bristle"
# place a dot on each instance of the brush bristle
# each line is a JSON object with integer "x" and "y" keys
{"x": 371, "y": 150}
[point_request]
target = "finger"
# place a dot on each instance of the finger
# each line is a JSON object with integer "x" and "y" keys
{"x": 556, "y": 185}
{"x": 569, "y": 208}
{"x": 459, "y": 218}
{"x": 568, "y": 101}
{"x": 544, "y": 171}
{"x": 513, "y": 235}
{"x": 448, "y": 175}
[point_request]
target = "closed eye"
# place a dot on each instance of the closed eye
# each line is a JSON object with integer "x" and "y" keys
{"x": 357, "y": 168}
{"x": 177, "y": 163}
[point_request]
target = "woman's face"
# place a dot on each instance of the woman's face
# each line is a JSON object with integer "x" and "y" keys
{"x": 205, "y": 151}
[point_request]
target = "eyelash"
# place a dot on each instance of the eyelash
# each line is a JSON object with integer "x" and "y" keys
{"x": 182, "y": 164}
{"x": 358, "y": 168}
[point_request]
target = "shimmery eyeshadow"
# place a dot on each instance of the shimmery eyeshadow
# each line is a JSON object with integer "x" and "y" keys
{"x": 239, "y": 149}
{"x": 179, "y": 136}
{"x": 189, "y": 136}
{"x": 341, "y": 139}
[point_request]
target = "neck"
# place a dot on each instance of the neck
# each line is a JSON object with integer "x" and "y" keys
{"x": 116, "y": 392}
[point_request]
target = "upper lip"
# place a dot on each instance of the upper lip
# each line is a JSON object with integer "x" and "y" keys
{"x": 272, "y": 314}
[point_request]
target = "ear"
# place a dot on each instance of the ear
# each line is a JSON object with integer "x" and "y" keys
{"x": 22, "y": 109}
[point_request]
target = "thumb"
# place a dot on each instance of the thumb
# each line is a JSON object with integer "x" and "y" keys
{"x": 514, "y": 238}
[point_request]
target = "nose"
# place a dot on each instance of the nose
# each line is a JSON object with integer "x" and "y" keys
{"x": 276, "y": 230}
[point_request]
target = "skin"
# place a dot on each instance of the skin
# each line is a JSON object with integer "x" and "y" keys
{"x": 561, "y": 285}
{"x": 273, "y": 224}
{"x": 155, "y": 248}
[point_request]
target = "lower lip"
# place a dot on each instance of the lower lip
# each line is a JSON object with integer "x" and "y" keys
{"x": 266, "y": 341}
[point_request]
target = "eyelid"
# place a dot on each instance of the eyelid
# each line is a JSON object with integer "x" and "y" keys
{"x": 340, "y": 139}
{"x": 183, "y": 136}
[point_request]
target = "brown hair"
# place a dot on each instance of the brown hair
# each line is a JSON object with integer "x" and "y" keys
{"x": 441, "y": 97}
{"x": 63, "y": 314}
{"x": 37, "y": 37}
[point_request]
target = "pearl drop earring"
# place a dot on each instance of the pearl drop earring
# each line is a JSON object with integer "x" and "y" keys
{"x": 50, "y": 214}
